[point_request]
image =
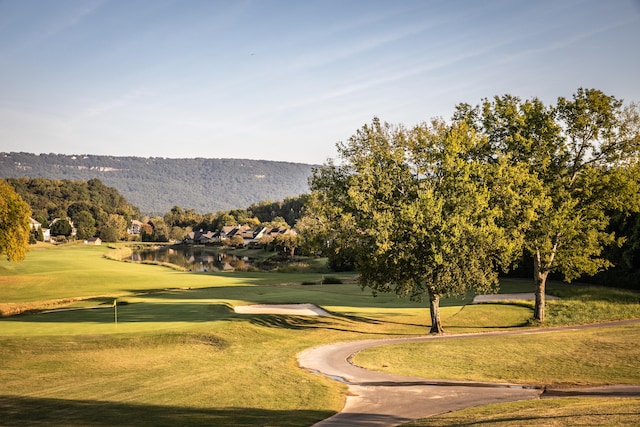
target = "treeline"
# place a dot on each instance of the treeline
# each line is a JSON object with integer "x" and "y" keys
{"x": 157, "y": 184}
{"x": 97, "y": 210}
{"x": 94, "y": 208}
{"x": 624, "y": 257}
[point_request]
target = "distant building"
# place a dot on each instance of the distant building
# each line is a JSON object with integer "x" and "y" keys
{"x": 135, "y": 227}
{"x": 34, "y": 225}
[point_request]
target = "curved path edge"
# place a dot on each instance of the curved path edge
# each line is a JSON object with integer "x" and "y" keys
{"x": 380, "y": 399}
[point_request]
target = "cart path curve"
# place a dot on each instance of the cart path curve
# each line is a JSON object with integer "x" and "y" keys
{"x": 380, "y": 399}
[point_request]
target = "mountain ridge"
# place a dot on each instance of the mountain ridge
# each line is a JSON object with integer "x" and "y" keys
{"x": 156, "y": 184}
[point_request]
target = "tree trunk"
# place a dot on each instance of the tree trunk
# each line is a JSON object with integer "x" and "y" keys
{"x": 434, "y": 309}
{"x": 540, "y": 280}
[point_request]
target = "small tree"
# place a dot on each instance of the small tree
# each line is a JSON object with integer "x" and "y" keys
{"x": 61, "y": 227}
{"x": 109, "y": 234}
{"x": 287, "y": 243}
{"x": 14, "y": 223}
{"x": 39, "y": 234}
{"x": 234, "y": 241}
{"x": 266, "y": 242}
{"x": 177, "y": 233}
{"x": 118, "y": 225}
{"x": 85, "y": 224}
{"x": 160, "y": 229}
{"x": 146, "y": 232}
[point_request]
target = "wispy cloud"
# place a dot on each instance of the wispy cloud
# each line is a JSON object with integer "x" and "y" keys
{"x": 55, "y": 23}
{"x": 330, "y": 54}
{"x": 106, "y": 106}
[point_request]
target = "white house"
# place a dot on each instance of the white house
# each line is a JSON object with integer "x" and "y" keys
{"x": 35, "y": 225}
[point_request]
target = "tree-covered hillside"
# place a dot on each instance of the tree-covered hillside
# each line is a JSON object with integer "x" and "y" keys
{"x": 156, "y": 184}
{"x": 94, "y": 208}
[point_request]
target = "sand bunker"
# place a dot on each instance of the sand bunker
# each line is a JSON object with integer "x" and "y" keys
{"x": 292, "y": 309}
{"x": 526, "y": 296}
{"x": 314, "y": 310}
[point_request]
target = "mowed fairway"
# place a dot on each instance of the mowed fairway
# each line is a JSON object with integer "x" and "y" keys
{"x": 179, "y": 355}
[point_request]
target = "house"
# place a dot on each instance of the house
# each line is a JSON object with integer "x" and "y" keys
{"x": 135, "y": 227}
{"x": 208, "y": 237}
{"x": 200, "y": 237}
{"x": 249, "y": 236}
{"x": 93, "y": 241}
{"x": 191, "y": 237}
{"x": 274, "y": 231}
{"x": 34, "y": 225}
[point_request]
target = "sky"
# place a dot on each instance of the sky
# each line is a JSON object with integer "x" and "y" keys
{"x": 287, "y": 80}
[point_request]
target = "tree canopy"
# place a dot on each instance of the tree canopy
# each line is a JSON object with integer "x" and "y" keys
{"x": 420, "y": 212}
{"x": 14, "y": 223}
{"x": 90, "y": 205}
{"x": 584, "y": 152}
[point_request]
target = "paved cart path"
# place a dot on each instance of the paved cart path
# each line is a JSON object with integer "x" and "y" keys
{"x": 380, "y": 399}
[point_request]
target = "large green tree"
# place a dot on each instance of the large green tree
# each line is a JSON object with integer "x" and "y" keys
{"x": 584, "y": 152}
{"x": 421, "y": 214}
{"x": 14, "y": 223}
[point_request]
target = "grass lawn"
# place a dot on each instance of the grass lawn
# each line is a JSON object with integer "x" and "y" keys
{"x": 575, "y": 357}
{"x": 545, "y": 412}
{"x": 179, "y": 355}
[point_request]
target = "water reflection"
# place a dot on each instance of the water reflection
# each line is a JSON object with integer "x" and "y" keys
{"x": 193, "y": 258}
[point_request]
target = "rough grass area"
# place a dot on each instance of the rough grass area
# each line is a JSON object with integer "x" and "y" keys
{"x": 546, "y": 412}
{"x": 577, "y": 303}
{"x": 580, "y": 357}
{"x": 589, "y": 304}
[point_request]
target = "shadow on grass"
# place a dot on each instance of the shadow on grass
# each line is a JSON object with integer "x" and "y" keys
{"x": 34, "y": 411}
{"x": 450, "y": 326}
{"x": 335, "y": 323}
{"x": 346, "y": 295}
{"x": 196, "y": 312}
{"x": 131, "y": 313}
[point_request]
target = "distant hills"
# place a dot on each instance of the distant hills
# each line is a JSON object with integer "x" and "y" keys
{"x": 157, "y": 184}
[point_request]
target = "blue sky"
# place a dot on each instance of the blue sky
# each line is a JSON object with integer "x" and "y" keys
{"x": 287, "y": 80}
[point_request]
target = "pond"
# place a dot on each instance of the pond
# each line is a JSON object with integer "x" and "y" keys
{"x": 192, "y": 258}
